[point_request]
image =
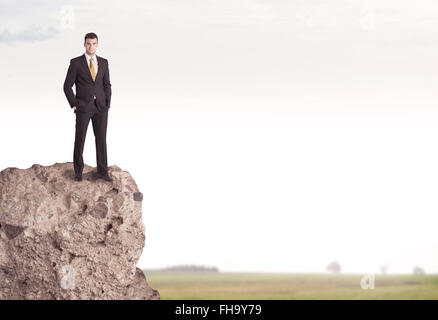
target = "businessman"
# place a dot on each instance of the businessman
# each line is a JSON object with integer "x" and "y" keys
{"x": 90, "y": 74}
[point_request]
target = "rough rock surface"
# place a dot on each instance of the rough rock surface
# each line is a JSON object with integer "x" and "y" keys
{"x": 64, "y": 239}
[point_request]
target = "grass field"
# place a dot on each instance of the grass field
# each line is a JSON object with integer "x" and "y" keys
{"x": 224, "y": 285}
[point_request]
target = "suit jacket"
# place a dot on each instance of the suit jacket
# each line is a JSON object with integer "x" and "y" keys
{"x": 79, "y": 74}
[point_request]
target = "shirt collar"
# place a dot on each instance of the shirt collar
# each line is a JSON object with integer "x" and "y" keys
{"x": 88, "y": 58}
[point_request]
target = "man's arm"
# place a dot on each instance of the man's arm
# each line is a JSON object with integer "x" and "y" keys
{"x": 68, "y": 84}
{"x": 107, "y": 86}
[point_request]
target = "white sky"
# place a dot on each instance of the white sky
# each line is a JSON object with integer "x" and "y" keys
{"x": 264, "y": 135}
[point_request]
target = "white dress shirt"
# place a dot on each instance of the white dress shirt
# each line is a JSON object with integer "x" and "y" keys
{"x": 94, "y": 63}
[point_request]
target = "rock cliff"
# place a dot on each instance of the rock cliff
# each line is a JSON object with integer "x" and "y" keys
{"x": 64, "y": 239}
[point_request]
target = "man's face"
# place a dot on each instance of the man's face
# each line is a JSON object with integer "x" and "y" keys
{"x": 90, "y": 46}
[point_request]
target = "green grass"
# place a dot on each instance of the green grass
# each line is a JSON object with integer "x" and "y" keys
{"x": 224, "y": 285}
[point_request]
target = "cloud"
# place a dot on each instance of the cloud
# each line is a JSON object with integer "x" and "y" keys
{"x": 28, "y": 21}
{"x": 32, "y": 33}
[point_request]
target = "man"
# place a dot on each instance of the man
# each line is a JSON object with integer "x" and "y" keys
{"x": 90, "y": 74}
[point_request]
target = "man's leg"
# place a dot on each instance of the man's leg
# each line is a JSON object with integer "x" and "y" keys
{"x": 82, "y": 120}
{"x": 100, "y": 121}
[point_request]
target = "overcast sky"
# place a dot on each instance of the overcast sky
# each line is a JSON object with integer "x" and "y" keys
{"x": 265, "y": 135}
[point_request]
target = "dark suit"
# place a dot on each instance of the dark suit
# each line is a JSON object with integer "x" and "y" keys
{"x": 89, "y": 108}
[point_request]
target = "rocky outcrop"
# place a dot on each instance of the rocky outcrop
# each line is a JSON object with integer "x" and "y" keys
{"x": 64, "y": 239}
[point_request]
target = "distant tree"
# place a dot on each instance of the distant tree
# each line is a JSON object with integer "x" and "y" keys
{"x": 191, "y": 267}
{"x": 333, "y": 267}
{"x": 418, "y": 271}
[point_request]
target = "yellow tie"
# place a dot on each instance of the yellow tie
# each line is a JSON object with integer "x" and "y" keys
{"x": 93, "y": 73}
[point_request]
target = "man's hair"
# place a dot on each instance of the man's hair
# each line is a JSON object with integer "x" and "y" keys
{"x": 90, "y": 35}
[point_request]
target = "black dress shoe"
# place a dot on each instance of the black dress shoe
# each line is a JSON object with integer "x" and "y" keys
{"x": 105, "y": 177}
{"x": 78, "y": 177}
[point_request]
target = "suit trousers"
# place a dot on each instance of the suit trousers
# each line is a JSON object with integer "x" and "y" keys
{"x": 99, "y": 121}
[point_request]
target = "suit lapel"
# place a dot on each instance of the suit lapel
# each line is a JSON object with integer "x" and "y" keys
{"x": 99, "y": 66}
